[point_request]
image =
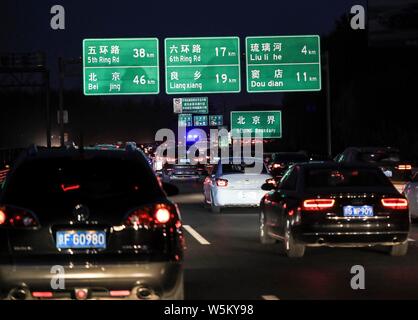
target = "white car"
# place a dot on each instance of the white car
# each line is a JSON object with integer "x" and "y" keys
{"x": 411, "y": 194}
{"x": 234, "y": 183}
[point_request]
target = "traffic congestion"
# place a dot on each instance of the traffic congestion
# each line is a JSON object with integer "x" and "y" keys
{"x": 165, "y": 152}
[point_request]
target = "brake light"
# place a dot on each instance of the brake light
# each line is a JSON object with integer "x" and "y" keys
{"x": 70, "y": 187}
{"x": 162, "y": 215}
{"x": 221, "y": 182}
{"x": 395, "y": 203}
{"x": 17, "y": 217}
{"x": 277, "y": 166}
{"x": 2, "y": 217}
{"x": 318, "y": 204}
{"x": 42, "y": 294}
{"x": 404, "y": 167}
{"x": 151, "y": 215}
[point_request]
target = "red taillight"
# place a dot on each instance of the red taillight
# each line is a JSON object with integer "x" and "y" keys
{"x": 277, "y": 166}
{"x": 119, "y": 293}
{"x": 2, "y": 217}
{"x": 162, "y": 215}
{"x": 318, "y": 204}
{"x": 17, "y": 217}
{"x": 42, "y": 294}
{"x": 70, "y": 187}
{"x": 149, "y": 215}
{"x": 395, "y": 203}
{"x": 221, "y": 182}
{"x": 404, "y": 167}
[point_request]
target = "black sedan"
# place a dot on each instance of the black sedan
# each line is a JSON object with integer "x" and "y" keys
{"x": 330, "y": 204}
{"x": 88, "y": 224}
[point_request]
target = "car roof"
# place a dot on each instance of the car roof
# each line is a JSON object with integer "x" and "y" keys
{"x": 374, "y": 149}
{"x": 335, "y": 165}
{"x": 35, "y": 153}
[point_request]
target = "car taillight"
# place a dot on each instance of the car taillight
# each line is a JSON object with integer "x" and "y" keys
{"x": 404, "y": 167}
{"x": 151, "y": 215}
{"x": 277, "y": 166}
{"x": 318, "y": 204}
{"x": 395, "y": 203}
{"x": 162, "y": 215}
{"x": 17, "y": 217}
{"x": 221, "y": 182}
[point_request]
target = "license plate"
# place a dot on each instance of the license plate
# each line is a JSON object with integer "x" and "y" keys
{"x": 81, "y": 239}
{"x": 358, "y": 211}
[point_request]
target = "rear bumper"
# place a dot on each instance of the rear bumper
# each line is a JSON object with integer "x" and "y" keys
{"x": 160, "y": 277}
{"x": 238, "y": 198}
{"x": 352, "y": 239}
{"x": 341, "y": 232}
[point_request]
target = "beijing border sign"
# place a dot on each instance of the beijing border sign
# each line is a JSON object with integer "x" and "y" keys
{"x": 267, "y": 122}
{"x": 202, "y": 65}
{"x": 121, "y": 66}
{"x": 283, "y": 63}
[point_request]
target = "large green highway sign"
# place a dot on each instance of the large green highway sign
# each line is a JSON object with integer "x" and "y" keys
{"x": 269, "y": 123}
{"x": 283, "y": 63}
{"x": 202, "y": 65}
{"x": 120, "y": 66}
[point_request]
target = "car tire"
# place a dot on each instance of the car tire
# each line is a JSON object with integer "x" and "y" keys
{"x": 399, "y": 249}
{"x": 292, "y": 248}
{"x": 214, "y": 208}
{"x": 264, "y": 237}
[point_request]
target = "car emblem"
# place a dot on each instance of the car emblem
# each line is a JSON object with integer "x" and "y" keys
{"x": 81, "y": 213}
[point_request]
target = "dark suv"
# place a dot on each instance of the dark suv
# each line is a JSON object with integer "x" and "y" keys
{"x": 88, "y": 224}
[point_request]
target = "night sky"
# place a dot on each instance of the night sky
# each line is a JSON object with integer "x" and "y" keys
{"x": 25, "y": 25}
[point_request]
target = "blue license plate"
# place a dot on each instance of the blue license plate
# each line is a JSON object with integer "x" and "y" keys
{"x": 81, "y": 239}
{"x": 358, "y": 211}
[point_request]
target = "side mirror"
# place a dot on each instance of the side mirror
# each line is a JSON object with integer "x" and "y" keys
{"x": 268, "y": 187}
{"x": 170, "y": 189}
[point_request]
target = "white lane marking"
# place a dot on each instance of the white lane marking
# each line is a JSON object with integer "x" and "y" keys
{"x": 196, "y": 235}
{"x": 411, "y": 240}
{"x": 269, "y": 297}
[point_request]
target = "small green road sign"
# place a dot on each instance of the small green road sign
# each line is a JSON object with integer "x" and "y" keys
{"x": 216, "y": 120}
{"x": 200, "y": 121}
{"x": 269, "y": 123}
{"x": 185, "y": 120}
{"x": 120, "y": 66}
{"x": 191, "y": 105}
{"x": 202, "y": 65}
{"x": 283, "y": 63}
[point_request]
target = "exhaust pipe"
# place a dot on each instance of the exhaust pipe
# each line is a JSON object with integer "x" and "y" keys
{"x": 19, "y": 294}
{"x": 144, "y": 293}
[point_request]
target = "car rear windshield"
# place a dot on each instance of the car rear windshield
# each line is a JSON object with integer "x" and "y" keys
{"x": 345, "y": 178}
{"x": 56, "y": 182}
{"x": 232, "y": 168}
{"x": 379, "y": 156}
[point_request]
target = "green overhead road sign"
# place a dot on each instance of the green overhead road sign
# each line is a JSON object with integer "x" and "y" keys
{"x": 283, "y": 63}
{"x": 267, "y": 122}
{"x": 200, "y": 121}
{"x": 120, "y": 66}
{"x": 216, "y": 120}
{"x": 191, "y": 105}
{"x": 185, "y": 120}
{"x": 202, "y": 65}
